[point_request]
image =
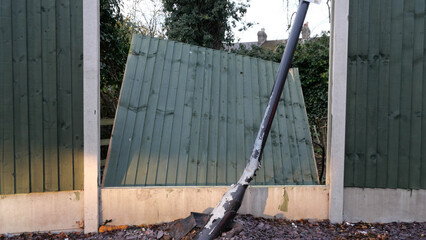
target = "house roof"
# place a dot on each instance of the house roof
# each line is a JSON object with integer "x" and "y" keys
{"x": 189, "y": 115}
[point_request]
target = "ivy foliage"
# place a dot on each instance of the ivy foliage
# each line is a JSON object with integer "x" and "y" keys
{"x": 114, "y": 46}
{"x": 206, "y": 23}
{"x": 311, "y": 58}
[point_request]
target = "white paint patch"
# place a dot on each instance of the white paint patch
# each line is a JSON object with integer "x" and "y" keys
{"x": 314, "y": 1}
{"x": 219, "y": 211}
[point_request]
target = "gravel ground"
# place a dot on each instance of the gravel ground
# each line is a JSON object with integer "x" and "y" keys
{"x": 249, "y": 227}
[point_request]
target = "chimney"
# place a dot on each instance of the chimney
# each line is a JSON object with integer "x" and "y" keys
{"x": 261, "y": 37}
{"x": 306, "y": 32}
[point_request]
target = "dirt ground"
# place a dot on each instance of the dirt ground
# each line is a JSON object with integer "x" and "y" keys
{"x": 249, "y": 227}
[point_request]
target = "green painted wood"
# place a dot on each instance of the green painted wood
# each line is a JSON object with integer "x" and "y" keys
{"x": 372, "y": 90}
{"x": 158, "y": 165}
{"x": 184, "y": 152}
{"x": 35, "y": 98}
{"x": 385, "y": 121}
{"x": 231, "y": 166}
{"x": 76, "y": 12}
{"x": 383, "y": 91}
{"x": 166, "y": 166}
{"x": 414, "y": 170}
{"x": 241, "y": 149}
{"x": 283, "y": 167}
{"x": 423, "y": 142}
{"x": 50, "y": 101}
{"x": 41, "y": 110}
{"x": 188, "y": 116}
{"x": 222, "y": 154}
{"x": 203, "y": 151}
{"x": 351, "y": 95}
{"x": 305, "y": 140}
{"x": 20, "y": 92}
{"x": 361, "y": 97}
{"x": 406, "y": 82}
{"x": 7, "y": 165}
{"x": 196, "y": 111}
{"x": 64, "y": 78}
{"x": 291, "y": 133}
{"x": 180, "y": 71}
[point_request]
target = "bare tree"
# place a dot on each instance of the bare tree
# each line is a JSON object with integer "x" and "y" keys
{"x": 145, "y": 16}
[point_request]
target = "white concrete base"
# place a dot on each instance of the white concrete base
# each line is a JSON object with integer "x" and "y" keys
{"x": 41, "y": 212}
{"x": 146, "y": 205}
{"x": 384, "y": 205}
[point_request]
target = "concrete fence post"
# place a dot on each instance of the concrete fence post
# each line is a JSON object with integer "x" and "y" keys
{"x": 337, "y": 107}
{"x": 91, "y": 63}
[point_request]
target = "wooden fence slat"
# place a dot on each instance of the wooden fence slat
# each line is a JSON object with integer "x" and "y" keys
{"x": 205, "y": 120}
{"x": 35, "y": 95}
{"x": 139, "y": 85}
{"x": 22, "y": 164}
{"x": 383, "y": 91}
{"x": 158, "y": 163}
{"x": 223, "y": 105}
{"x": 418, "y": 60}
{"x": 351, "y": 95}
{"x": 76, "y": 8}
{"x": 150, "y": 119}
{"x": 394, "y": 92}
{"x": 406, "y": 93}
{"x": 423, "y": 140}
{"x": 7, "y": 148}
{"x": 249, "y": 132}
{"x": 361, "y": 95}
{"x": 119, "y": 128}
{"x": 64, "y": 88}
{"x": 181, "y": 73}
{"x": 214, "y": 124}
{"x": 372, "y": 93}
{"x": 231, "y": 157}
{"x": 241, "y": 149}
{"x": 50, "y": 102}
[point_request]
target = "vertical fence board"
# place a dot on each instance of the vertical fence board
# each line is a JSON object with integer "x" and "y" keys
{"x": 383, "y": 98}
{"x": 202, "y": 167}
{"x": 405, "y": 97}
{"x": 394, "y": 91}
{"x": 35, "y": 94}
{"x": 351, "y": 95}
{"x": 158, "y": 168}
{"x": 41, "y": 130}
{"x": 214, "y": 125}
{"x": 181, "y": 74}
{"x": 387, "y": 93}
{"x": 22, "y": 165}
{"x": 76, "y": 7}
{"x": 50, "y": 102}
{"x": 64, "y": 88}
{"x": 7, "y": 165}
{"x": 417, "y": 93}
{"x": 373, "y": 58}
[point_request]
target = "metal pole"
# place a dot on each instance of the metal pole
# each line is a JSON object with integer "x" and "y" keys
{"x": 228, "y": 206}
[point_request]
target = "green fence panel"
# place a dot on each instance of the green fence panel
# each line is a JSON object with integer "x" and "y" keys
{"x": 189, "y": 116}
{"x": 386, "y": 121}
{"x": 41, "y": 109}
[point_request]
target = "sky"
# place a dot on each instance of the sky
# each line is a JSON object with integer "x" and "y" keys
{"x": 269, "y": 14}
{"x": 272, "y": 15}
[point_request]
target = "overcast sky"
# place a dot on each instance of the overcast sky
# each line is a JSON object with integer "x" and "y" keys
{"x": 272, "y": 15}
{"x": 269, "y": 14}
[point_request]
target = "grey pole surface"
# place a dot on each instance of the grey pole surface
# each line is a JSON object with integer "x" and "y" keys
{"x": 228, "y": 206}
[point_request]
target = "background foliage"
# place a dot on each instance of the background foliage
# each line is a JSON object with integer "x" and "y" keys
{"x": 115, "y": 43}
{"x": 206, "y": 23}
{"x": 311, "y": 58}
